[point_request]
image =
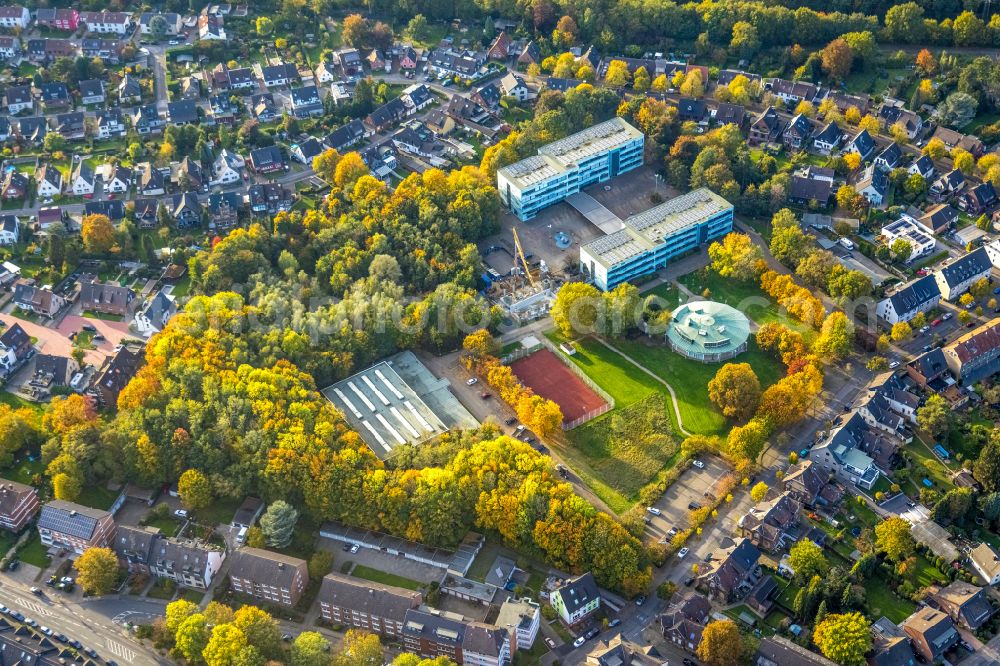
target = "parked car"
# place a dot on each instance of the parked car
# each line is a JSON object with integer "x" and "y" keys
{"x": 948, "y": 315}
{"x": 653, "y": 510}
{"x": 682, "y": 553}
{"x": 471, "y": 381}
{"x": 37, "y": 591}
{"x": 579, "y": 641}
{"x": 615, "y": 622}
{"x": 180, "y": 513}
{"x": 640, "y": 600}
{"x": 699, "y": 464}
{"x": 551, "y": 643}
{"x": 693, "y": 506}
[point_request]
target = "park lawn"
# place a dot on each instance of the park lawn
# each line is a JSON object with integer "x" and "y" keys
{"x": 665, "y": 290}
{"x": 374, "y": 575}
{"x": 747, "y": 297}
{"x": 35, "y": 552}
{"x": 690, "y": 380}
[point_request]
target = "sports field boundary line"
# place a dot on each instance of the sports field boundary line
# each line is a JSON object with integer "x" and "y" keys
{"x": 670, "y": 389}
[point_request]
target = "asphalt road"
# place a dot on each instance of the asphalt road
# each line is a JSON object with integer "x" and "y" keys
{"x": 97, "y": 623}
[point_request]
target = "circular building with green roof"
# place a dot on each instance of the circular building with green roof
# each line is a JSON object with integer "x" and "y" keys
{"x": 707, "y": 331}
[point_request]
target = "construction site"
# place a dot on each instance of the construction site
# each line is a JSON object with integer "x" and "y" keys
{"x": 518, "y": 281}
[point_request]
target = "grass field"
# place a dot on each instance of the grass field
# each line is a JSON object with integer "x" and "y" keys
{"x": 747, "y": 297}
{"x": 168, "y": 526}
{"x": 35, "y": 552}
{"x": 221, "y": 512}
{"x": 24, "y": 470}
{"x": 97, "y": 497}
{"x": 361, "y": 571}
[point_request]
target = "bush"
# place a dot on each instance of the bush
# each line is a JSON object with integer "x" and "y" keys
{"x": 549, "y": 613}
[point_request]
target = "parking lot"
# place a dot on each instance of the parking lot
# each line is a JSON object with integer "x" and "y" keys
{"x": 382, "y": 561}
{"x": 943, "y": 332}
{"x": 690, "y": 488}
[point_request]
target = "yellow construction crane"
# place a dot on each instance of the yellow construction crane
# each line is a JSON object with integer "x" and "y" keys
{"x": 519, "y": 252}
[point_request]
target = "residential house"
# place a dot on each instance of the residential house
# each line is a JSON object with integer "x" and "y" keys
{"x": 940, "y": 218}
{"x": 105, "y": 297}
{"x": 845, "y": 451}
{"x": 18, "y": 505}
{"x": 18, "y": 98}
{"x": 31, "y": 298}
{"x": 461, "y": 63}
{"x": 71, "y": 125}
{"x": 110, "y": 123}
{"x": 349, "y": 61}
{"x": 211, "y": 27}
{"x": 955, "y": 278}
{"x": 732, "y": 572}
{"x": 53, "y": 371}
{"x": 500, "y": 48}
{"x": 129, "y": 90}
{"x": 113, "y": 209}
{"x": 50, "y": 181}
{"x": 431, "y": 634}
{"x": 727, "y": 76}
{"x": 922, "y": 166}
{"x": 224, "y": 209}
{"x": 576, "y": 599}
{"x": 932, "y": 632}
{"x": 521, "y": 618}
{"x": 263, "y": 107}
{"x": 145, "y": 212}
{"x": 779, "y": 651}
{"x": 82, "y": 179}
{"x": 766, "y": 127}
{"x": 890, "y": 158}
{"x": 190, "y": 87}
{"x": 185, "y": 209}
{"x": 10, "y": 229}
{"x": 74, "y": 527}
{"x": 284, "y": 74}
{"x": 247, "y": 513}
{"x": 46, "y": 50}
{"x": 58, "y": 19}
{"x": 110, "y": 51}
{"x": 890, "y": 646}
{"x": 118, "y": 23}
{"x": 151, "y": 182}
{"x": 305, "y": 151}
{"x": 6, "y": 131}
{"x": 617, "y": 651}
{"x": 266, "y": 160}
{"x": 380, "y": 159}
{"x": 892, "y": 112}
{"x": 792, "y": 92}
{"x": 730, "y": 114}
{"x": 10, "y": 48}
{"x": 488, "y": 96}
{"x": 15, "y": 185}
{"x": 965, "y": 603}
{"x": 305, "y": 102}
{"x": 241, "y": 78}
{"x": 92, "y": 91}
{"x": 797, "y": 133}
{"x": 32, "y": 129}
{"x": 929, "y": 371}
{"x": 920, "y": 295}
{"x": 986, "y": 562}
{"x": 14, "y": 16}
{"x": 873, "y": 185}
{"x": 366, "y": 606}
{"x": 15, "y": 345}
{"x": 683, "y": 622}
{"x": 845, "y": 101}
{"x": 693, "y": 110}
{"x": 953, "y": 139}
{"x": 133, "y": 545}
{"x": 325, "y": 72}
{"x": 975, "y": 355}
{"x": 269, "y": 198}
{"x": 530, "y": 55}
{"x": 979, "y": 200}
{"x": 190, "y": 175}
{"x": 117, "y": 178}
{"x": 948, "y": 184}
{"x": 346, "y": 135}
{"x": 51, "y": 217}
{"x": 863, "y": 144}
{"x": 146, "y": 119}
{"x": 811, "y": 184}
{"x": 266, "y": 575}
{"x": 228, "y": 168}
{"x": 186, "y": 562}
{"x": 513, "y": 85}
{"x": 416, "y": 97}
{"x": 387, "y": 115}
{"x": 408, "y": 58}
{"x": 828, "y": 139}
{"x": 772, "y": 523}
{"x": 378, "y": 62}
{"x": 114, "y": 375}
{"x": 54, "y": 96}
{"x": 804, "y": 483}
{"x": 182, "y": 112}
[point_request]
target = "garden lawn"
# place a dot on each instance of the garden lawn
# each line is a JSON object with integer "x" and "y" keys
{"x": 221, "y": 512}
{"x": 97, "y": 497}
{"x": 17, "y": 402}
{"x": 7, "y": 541}
{"x": 361, "y": 571}
{"x": 35, "y": 552}
{"x": 24, "y": 470}
{"x": 747, "y": 297}
{"x": 168, "y": 526}
{"x": 665, "y": 290}
{"x": 927, "y": 465}
{"x": 881, "y": 600}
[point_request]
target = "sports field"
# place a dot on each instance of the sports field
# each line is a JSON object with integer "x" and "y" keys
{"x": 546, "y": 375}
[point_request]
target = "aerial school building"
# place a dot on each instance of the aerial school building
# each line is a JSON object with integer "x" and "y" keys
{"x": 565, "y": 167}
{"x": 642, "y": 243}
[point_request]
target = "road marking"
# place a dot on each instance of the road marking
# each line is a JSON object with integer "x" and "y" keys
{"x": 120, "y": 650}
{"x": 33, "y": 607}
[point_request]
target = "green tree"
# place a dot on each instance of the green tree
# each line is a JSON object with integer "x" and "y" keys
{"x": 836, "y": 337}
{"x": 986, "y": 469}
{"x": 844, "y": 638}
{"x": 905, "y": 23}
{"x": 309, "y": 649}
{"x": 721, "y": 644}
{"x": 417, "y": 27}
{"x": 807, "y": 560}
{"x": 194, "y": 490}
{"x": 901, "y": 249}
{"x": 735, "y": 390}
{"x": 745, "y": 40}
{"x": 278, "y": 523}
{"x": 934, "y": 416}
{"x": 892, "y": 536}
{"x": 97, "y": 570}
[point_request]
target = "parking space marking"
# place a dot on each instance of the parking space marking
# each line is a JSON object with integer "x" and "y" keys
{"x": 38, "y": 609}
{"x": 120, "y": 650}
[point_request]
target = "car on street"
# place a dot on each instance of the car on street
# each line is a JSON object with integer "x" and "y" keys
{"x": 927, "y": 348}
{"x": 690, "y": 662}
{"x": 640, "y": 600}
{"x": 693, "y": 506}
{"x": 53, "y": 579}
{"x": 485, "y": 395}
{"x": 90, "y": 652}
{"x": 510, "y": 421}
{"x": 579, "y": 641}
{"x": 180, "y": 513}
{"x": 36, "y": 591}
{"x": 925, "y": 329}
{"x": 948, "y": 315}
{"x": 471, "y": 381}
{"x": 88, "y": 327}
{"x": 615, "y": 622}
{"x": 354, "y": 548}
{"x": 893, "y": 365}
{"x": 591, "y": 633}
{"x": 708, "y": 558}
{"x": 682, "y": 553}
{"x": 653, "y": 510}
{"x": 699, "y": 464}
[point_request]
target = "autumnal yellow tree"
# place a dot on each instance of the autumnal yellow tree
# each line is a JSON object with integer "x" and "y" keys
{"x": 844, "y": 638}
{"x": 97, "y": 570}
{"x": 97, "y": 233}
{"x": 617, "y": 74}
{"x": 721, "y": 644}
{"x": 870, "y": 123}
